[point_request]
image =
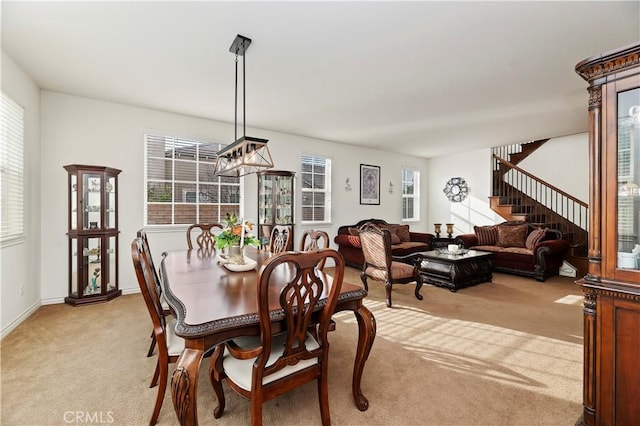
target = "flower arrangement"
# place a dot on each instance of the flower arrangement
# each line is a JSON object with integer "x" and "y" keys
{"x": 232, "y": 234}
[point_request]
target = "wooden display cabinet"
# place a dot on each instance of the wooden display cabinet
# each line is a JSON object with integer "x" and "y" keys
{"x": 275, "y": 202}
{"x": 611, "y": 384}
{"x": 93, "y": 234}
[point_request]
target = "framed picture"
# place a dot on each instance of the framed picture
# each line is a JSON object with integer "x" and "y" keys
{"x": 369, "y": 184}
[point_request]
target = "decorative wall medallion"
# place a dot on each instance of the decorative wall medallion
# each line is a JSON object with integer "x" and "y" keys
{"x": 456, "y": 189}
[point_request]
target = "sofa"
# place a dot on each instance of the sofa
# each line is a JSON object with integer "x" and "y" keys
{"x": 519, "y": 248}
{"x": 403, "y": 241}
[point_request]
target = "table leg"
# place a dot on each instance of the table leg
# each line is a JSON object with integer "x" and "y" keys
{"x": 184, "y": 386}
{"x": 366, "y": 334}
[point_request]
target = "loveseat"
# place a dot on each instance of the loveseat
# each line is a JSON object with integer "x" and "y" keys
{"x": 403, "y": 241}
{"x": 519, "y": 248}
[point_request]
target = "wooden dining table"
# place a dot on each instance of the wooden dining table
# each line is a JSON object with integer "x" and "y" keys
{"x": 214, "y": 305}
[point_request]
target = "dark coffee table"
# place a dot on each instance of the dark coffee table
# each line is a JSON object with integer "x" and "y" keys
{"x": 454, "y": 271}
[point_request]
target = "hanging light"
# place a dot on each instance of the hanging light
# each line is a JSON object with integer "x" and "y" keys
{"x": 246, "y": 154}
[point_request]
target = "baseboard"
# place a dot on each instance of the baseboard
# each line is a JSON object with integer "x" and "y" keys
{"x": 26, "y": 314}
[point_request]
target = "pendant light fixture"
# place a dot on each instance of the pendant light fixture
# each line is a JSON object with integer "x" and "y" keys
{"x": 246, "y": 154}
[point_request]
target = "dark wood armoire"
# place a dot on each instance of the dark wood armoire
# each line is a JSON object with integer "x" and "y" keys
{"x": 612, "y": 286}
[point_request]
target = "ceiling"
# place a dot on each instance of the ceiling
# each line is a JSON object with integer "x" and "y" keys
{"x": 421, "y": 78}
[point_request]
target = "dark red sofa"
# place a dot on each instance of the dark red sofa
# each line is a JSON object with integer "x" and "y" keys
{"x": 410, "y": 242}
{"x": 519, "y": 252}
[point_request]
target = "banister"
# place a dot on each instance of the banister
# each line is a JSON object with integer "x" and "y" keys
{"x": 535, "y": 178}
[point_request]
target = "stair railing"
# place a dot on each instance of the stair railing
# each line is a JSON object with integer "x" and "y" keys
{"x": 575, "y": 211}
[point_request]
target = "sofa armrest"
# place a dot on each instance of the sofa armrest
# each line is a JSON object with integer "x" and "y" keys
{"x": 347, "y": 240}
{"x": 421, "y": 237}
{"x": 466, "y": 240}
{"x": 552, "y": 247}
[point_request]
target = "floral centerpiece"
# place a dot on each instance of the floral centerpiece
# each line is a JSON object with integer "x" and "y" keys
{"x": 233, "y": 235}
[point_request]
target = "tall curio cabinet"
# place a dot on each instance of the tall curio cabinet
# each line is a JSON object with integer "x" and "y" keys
{"x": 611, "y": 384}
{"x": 93, "y": 234}
{"x": 275, "y": 202}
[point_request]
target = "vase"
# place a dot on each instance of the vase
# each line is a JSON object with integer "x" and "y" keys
{"x": 236, "y": 254}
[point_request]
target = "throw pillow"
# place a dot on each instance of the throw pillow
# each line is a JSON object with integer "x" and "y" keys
{"x": 395, "y": 239}
{"x": 402, "y": 231}
{"x": 534, "y": 238}
{"x": 353, "y": 231}
{"x": 355, "y": 241}
{"x": 487, "y": 235}
{"x": 512, "y": 235}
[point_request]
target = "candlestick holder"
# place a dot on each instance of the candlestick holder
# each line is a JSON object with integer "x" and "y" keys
{"x": 436, "y": 227}
{"x": 450, "y": 229}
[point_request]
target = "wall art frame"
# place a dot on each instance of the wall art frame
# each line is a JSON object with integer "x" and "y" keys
{"x": 369, "y": 184}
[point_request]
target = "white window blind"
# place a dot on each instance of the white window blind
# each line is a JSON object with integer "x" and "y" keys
{"x": 316, "y": 189}
{"x": 410, "y": 195}
{"x": 12, "y": 170}
{"x": 180, "y": 185}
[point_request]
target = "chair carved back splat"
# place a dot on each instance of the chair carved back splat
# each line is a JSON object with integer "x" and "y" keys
{"x": 288, "y": 356}
{"x": 205, "y": 239}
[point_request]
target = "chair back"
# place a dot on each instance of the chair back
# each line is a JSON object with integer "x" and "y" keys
{"x": 313, "y": 240}
{"x": 204, "y": 240}
{"x": 300, "y": 300}
{"x": 280, "y": 240}
{"x": 376, "y": 246}
{"x": 149, "y": 285}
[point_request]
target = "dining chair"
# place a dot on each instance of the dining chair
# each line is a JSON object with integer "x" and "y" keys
{"x": 166, "y": 311}
{"x": 314, "y": 240}
{"x": 379, "y": 265}
{"x": 286, "y": 355}
{"x": 170, "y": 346}
{"x": 205, "y": 239}
{"x": 280, "y": 239}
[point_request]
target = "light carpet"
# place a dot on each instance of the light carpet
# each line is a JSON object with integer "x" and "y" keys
{"x": 502, "y": 353}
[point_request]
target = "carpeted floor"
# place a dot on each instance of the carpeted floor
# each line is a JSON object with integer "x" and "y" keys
{"x": 501, "y": 353}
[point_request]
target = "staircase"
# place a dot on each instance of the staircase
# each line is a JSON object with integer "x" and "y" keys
{"x": 519, "y": 195}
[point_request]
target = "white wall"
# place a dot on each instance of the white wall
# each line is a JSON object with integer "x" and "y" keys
{"x": 475, "y": 168}
{"x": 88, "y": 131}
{"x": 562, "y": 161}
{"x": 20, "y": 263}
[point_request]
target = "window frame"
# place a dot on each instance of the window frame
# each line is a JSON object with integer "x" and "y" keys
{"x": 326, "y": 190}
{"x": 175, "y": 182}
{"x": 415, "y": 196}
{"x": 12, "y": 176}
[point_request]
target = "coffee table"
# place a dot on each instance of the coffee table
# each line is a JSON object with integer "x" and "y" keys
{"x": 454, "y": 271}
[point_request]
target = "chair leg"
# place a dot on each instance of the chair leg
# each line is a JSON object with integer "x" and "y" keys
{"x": 256, "y": 410}
{"x": 363, "y": 277}
{"x": 418, "y": 287}
{"x": 215, "y": 377}
{"x": 323, "y": 397}
{"x": 156, "y": 374}
{"x": 387, "y": 287}
{"x": 152, "y": 346}
{"x": 164, "y": 372}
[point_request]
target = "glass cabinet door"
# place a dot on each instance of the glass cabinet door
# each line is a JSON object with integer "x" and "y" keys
{"x": 110, "y": 202}
{"x": 283, "y": 200}
{"x": 92, "y": 200}
{"x": 628, "y": 153}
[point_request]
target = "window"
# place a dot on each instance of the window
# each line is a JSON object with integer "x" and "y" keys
{"x": 316, "y": 189}
{"x": 11, "y": 170}
{"x": 180, "y": 186}
{"x": 410, "y": 195}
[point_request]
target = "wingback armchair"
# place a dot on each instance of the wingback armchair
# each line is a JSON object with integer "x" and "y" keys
{"x": 379, "y": 264}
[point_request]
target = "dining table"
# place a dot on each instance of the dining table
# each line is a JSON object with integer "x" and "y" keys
{"x": 214, "y": 304}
